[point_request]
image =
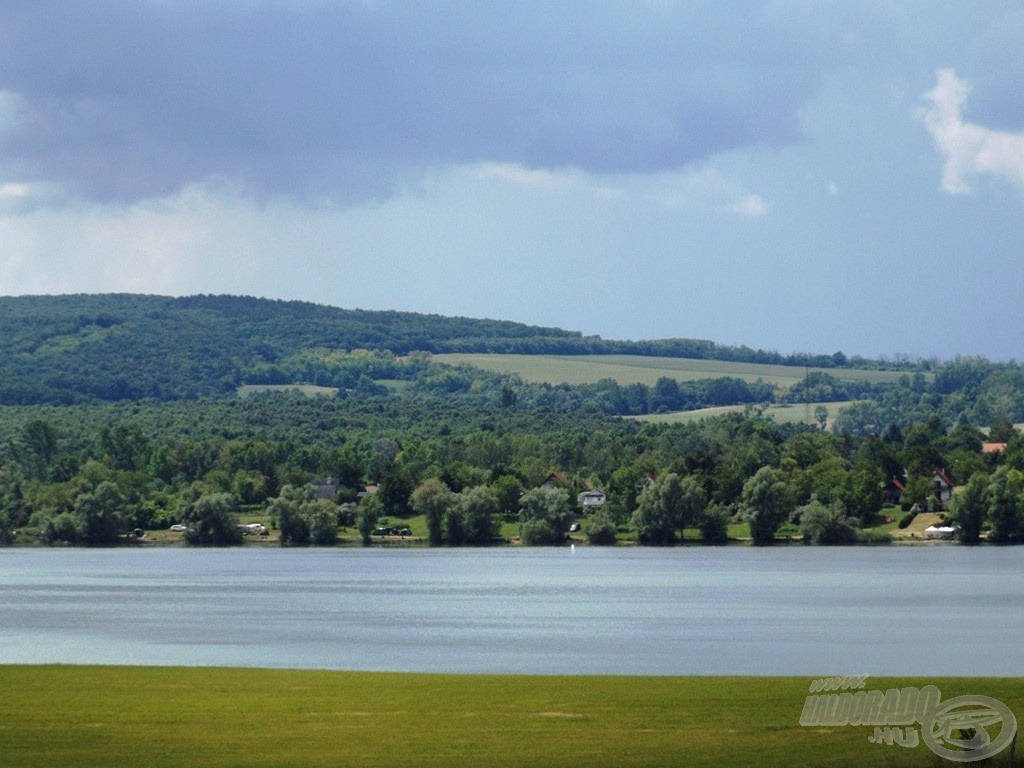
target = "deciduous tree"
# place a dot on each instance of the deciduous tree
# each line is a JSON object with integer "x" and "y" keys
{"x": 768, "y": 503}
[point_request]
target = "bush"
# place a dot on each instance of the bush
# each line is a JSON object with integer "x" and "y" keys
{"x": 714, "y": 526}
{"x": 600, "y": 529}
{"x": 323, "y": 528}
{"x": 907, "y": 519}
{"x": 873, "y": 537}
{"x": 536, "y": 532}
{"x": 823, "y": 525}
{"x": 62, "y": 528}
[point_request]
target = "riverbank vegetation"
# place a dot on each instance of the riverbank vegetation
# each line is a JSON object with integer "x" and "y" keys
{"x": 180, "y": 717}
{"x": 123, "y": 416}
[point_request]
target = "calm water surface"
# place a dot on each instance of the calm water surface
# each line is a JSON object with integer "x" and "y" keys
{"x": 789, "y": 610}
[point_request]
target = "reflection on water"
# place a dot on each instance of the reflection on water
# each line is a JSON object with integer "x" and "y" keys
{"x": 788, "y": 610}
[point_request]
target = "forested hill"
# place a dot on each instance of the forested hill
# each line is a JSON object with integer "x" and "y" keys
{"x": 121, "y": 346}
{"x": 80, "y": 348}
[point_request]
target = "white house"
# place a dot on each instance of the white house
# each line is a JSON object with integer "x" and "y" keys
{"x": 591, "y": 499}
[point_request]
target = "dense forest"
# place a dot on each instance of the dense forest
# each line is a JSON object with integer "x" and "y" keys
{"x": 121, "y": 413}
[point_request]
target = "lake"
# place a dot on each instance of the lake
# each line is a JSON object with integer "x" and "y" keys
{"x": 793, "y": 610}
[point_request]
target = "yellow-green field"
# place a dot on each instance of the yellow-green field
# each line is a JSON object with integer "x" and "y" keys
{"x": 631, "y": 369}
{"x": 309, "y": 390}
{"x": 164, "y": 717}
{"x": 784, "y": 414}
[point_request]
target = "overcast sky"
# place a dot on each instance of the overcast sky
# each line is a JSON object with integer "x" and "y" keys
{"x": 798, "y": 175}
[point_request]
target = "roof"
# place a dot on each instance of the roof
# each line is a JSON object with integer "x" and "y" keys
{"x": 893, "y": 481}
{"x": 993, "y": 447}
{"x": 555, "y": 478}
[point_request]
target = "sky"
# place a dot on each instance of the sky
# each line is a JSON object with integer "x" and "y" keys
{"x": 792, "y": 175}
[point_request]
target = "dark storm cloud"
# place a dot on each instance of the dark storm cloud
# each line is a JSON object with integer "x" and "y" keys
{"x": 119, "y": 100}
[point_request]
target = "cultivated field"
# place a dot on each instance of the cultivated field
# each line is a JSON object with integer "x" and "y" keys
{"x": 163, "y": 717}
{"x": 310, "y": 390}
{"x": 631, "y": 369}
{"x": 784, "y": 414}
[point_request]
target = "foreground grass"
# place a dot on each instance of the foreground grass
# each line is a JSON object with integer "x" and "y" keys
{"x": 115, "y": 716}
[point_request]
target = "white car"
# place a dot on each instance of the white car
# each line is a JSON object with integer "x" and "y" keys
{"x": 177, "y": 527}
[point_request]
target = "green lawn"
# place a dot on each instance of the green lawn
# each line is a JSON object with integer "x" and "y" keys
{"x": 630, "y": 369}
{"x": 181, "y": 717}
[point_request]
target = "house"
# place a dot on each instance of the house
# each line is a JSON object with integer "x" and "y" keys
{"x": 893, "y": 491}
{"x": 326, "y": 487}
{"x": 988, "y": 448}
{"x": 943, "y": 485}
{"x": 591, "y": 499}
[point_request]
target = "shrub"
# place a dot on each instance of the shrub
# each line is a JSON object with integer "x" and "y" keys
{"x": 539, "y": 533}
{"x": 600, "y": 529}
{"x": 714, "y": 526}
{"x": 62, "y": 528}
{"x": 823, "y": 525}
{"x": 874, "y": 537}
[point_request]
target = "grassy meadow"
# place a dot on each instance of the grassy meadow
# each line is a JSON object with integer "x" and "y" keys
{"x": 181, "y": 717}
{"x": 632, "y": 369}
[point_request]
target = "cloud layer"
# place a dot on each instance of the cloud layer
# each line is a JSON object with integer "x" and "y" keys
{"x": 743, "y": 170}
{"x": 119, "y": 100}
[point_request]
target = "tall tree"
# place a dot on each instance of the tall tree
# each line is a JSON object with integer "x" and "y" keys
{"x": 1006, "y": 504}
{"x": 969, "y": 509}
{"x": 768, "y": 503}
{"x": 432, "y": 498}
{"x": 667, "y": 506}
{"x": 212, "y": 521}
{"x": 544, "y": 516}
{"x": 478, "y": 507}
{"x": 102, "y": 515}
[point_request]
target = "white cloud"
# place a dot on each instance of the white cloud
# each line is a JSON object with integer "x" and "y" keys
{"x": 13, "y": 191}
{"x": 706, "y": 190}
{"x": 970, "y": 150}
{"x": 753, "y": 206}
{"x": 701, "y": 190}
{"x": 151, "y": 246}
{"x": 528, "y": 177}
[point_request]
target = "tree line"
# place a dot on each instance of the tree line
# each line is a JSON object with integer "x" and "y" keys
{"x": 88, "y": 474}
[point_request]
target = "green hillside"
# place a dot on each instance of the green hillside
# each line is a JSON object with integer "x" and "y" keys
{"x": 87, "y": 348}
{"x": 66, "y": 349}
